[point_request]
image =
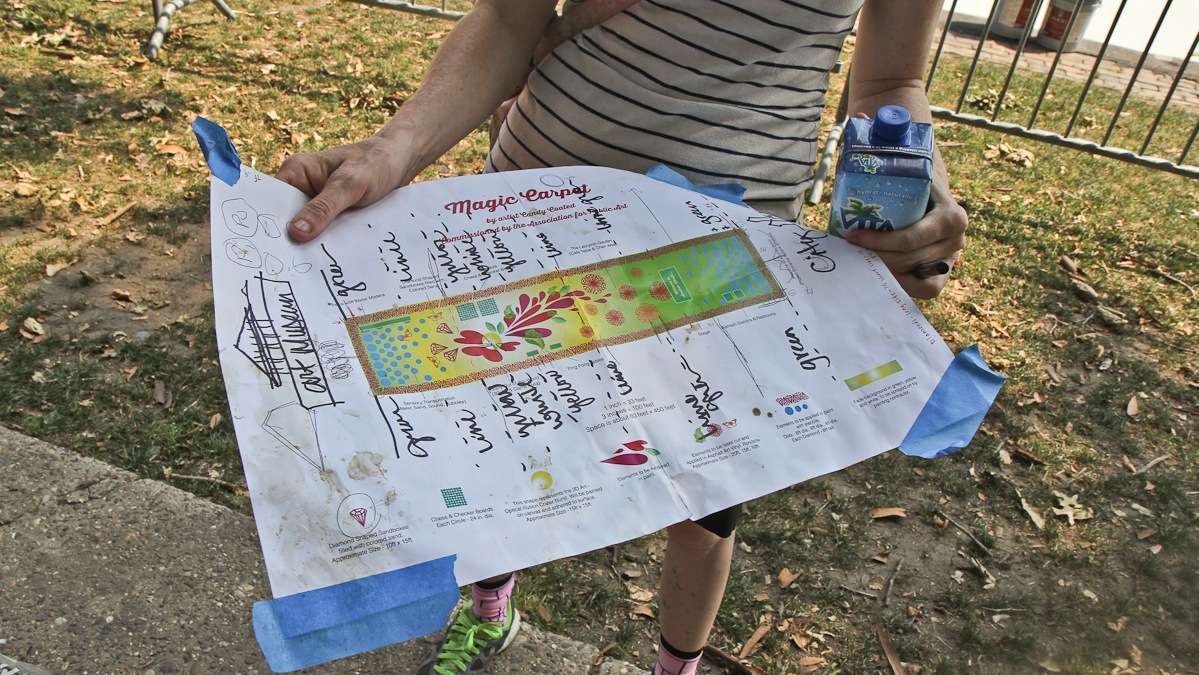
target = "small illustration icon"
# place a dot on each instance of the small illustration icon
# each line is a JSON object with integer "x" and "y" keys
{"x": 707, "y": 431}
{"x": 868, "y": 163}
{"x": 543, "y": 479}
{"x": 795, "y": 409}
{"x": 357, "y": 515}
{"x": 453, "y": 497}
{"x": 632, "y": 453}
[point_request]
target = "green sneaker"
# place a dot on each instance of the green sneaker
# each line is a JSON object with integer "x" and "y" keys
{"x": 470, "y": 644}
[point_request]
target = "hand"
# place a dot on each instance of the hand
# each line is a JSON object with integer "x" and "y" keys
{"x": 337, "y": 179}
{"x": 939, "y": 236}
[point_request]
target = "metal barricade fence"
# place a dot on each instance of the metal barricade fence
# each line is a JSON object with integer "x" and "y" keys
{"x": 1029, "y": 129}
{"x": 439, "y": 12}
{"x": 164, "y": 13}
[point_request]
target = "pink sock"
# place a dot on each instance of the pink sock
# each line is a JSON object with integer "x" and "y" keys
{"x": 491, "y": 604}
{"x": 669, "y": 664}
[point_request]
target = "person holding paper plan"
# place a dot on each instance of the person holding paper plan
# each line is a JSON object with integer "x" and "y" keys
{"x": 719, "y": 90}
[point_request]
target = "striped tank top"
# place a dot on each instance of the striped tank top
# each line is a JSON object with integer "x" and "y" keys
{"x": 720, "y": 90}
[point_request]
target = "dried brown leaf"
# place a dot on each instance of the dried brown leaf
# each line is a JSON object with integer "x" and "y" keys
{"x": 1034, "y": 514}
{"x": 1027, "y": 456}
{"x": 786, "y": 577}
{"x": 751, "y": 645}
{"x": 1070, "y": 508}
{"x": 31, "y": 329}
{"x": 173, "y": 149}
{"x": 810, "y": 663}
{"x": 55, "y": 268}
{"x": 1132, "y": 468}
{"x": 644, "y": 611}
{"x": 1134, "y": 406}
{"x": 888, "y": 512}
{"x": 639, "y": 594}
{"x": 889, "y": 651}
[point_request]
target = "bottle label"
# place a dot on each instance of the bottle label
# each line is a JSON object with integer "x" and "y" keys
{"x": 867, "y": 163}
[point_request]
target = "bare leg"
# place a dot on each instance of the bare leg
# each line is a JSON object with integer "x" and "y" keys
{"x": 694, "y": 574}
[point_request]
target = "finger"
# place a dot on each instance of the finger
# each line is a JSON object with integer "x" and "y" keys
{"x": 293, "y": 171}
{"x": 929, "y": 288}
{"x": 924, "y": 289}
{"x": 340, "y": 193}
{"x": 903, "y": 262}
{"x": 922, "y": 233}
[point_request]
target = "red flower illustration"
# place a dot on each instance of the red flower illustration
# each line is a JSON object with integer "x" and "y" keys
{"x": 648, "y": 313}
{"x": 614, "y": 317}
{"x": 635, "y": 272}
{"x": 488, "y": 346}
{"x": 658, "y": 290}
{"x": 594, "y": 283}
{"x": 627, "y": 292}
{"x": 587, "y": 332}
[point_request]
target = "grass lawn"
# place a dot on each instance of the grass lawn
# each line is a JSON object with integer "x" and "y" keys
{"x": 103, "y": 203}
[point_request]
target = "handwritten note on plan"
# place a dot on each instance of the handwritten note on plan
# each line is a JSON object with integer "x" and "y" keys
{"x": 524, "y": 366}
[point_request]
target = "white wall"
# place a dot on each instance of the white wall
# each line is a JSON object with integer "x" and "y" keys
{"x": 1136, "y": 23}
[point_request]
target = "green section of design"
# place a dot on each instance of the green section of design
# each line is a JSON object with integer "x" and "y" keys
{"x": 674, "y": 284}
{"x": 468, "y": 337}
{"x": 873, "y": 375}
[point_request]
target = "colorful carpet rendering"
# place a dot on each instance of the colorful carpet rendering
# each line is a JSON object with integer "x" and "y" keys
{"x": 470, "y": 337}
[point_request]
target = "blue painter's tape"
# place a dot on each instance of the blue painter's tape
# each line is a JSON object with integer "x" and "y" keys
{"x": 729, "y": 192}
{"x": 957, "y": 407}
{"x": 223, "y": 160}
{"x": 314, "y": 627}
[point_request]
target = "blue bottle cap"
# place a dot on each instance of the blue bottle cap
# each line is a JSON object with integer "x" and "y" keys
{"x": 890, "y": 124}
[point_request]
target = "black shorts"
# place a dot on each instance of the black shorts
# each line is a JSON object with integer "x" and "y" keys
{"x": 721, "y": 523}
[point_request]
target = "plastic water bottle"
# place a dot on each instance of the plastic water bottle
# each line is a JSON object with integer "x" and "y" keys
{"x": 884, "y": 174}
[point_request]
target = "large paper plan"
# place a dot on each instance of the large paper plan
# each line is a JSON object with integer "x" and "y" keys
{"x": 523, "y": 366}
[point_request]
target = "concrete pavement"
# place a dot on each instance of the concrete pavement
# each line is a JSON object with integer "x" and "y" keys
{"x": 105, "y": 572}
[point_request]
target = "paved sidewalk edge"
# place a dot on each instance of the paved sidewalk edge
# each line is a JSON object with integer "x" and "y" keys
{"x": 105, "y": 572}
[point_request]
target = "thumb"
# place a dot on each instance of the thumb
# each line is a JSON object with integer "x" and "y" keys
{"x": 339, "y": 194}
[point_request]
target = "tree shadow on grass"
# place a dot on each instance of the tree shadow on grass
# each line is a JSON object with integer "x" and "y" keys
{"x": 59, "y": 107}
{"x": 56, "y": 110}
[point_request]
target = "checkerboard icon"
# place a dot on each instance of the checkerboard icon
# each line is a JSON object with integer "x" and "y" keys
{"x": 453, "y": 497}
{"x": 487, "y": 307}
{"x": 467, "y": 311}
